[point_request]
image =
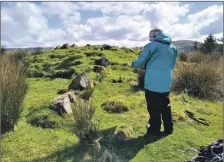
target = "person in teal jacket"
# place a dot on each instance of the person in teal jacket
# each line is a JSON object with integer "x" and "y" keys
{"x": 159, "y": 59}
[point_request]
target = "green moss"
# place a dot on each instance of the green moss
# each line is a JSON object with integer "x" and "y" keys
{"x": 115, "y": 106}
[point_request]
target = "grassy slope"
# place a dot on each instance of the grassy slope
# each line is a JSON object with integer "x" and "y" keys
{"x": 29, "y": 143}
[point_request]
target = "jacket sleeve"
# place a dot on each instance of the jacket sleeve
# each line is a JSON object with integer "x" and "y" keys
{"x": 143, "y": 58}
{"x": 174, "y": 58}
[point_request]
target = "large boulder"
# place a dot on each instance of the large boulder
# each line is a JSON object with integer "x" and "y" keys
{"x": 82, "y": 81}
{"x": 63, "y": 104}
{"x": 103, "y": 61}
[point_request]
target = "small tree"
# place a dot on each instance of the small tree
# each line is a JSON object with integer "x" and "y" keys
{"x": 209, "y": 45}
{"x": 195, "y": 43}
{"x": 3, "y": 50}
{"x": 219, "y": 47}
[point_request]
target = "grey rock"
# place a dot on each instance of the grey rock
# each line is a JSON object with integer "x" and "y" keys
{"x": 63, "y": 104}
{"x": 82, "y": 81}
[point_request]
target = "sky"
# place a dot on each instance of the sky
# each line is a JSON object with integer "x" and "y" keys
{"x": 49, "y": 24}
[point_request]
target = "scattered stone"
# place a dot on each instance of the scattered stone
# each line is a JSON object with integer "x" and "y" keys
{"x": 124, "y": 64}
{"x": 62, "y": 91}
{"x": 106, "y": 47}
{"x": 103, "y": 61}
{"x": 117, "y": 80}
{"x": 115, "y": 107}
{"x": 65, "y": 46}
{"x": 74, "y": 45}
{"x": 63, "y": 104}
{"x": 87, "y": 93}
{"x": 97, "y": 69}
{"x": 114, "y": 63}
{"x": 82, "y": 81}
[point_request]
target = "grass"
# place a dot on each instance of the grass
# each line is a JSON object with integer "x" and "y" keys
{"x": 13, "y": 88}
{"x": 199, "y": 80}
{"x": 84, "y": 128}
{"x": 182, "y": 57}
{"x": 32, "y": 143}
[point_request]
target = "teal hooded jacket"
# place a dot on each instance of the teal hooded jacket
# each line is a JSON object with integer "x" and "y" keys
{"x": 159, "y": 58}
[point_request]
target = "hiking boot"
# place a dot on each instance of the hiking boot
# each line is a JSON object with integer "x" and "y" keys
{"x": 168, "y": 131}
{"x": 150, "y": 136}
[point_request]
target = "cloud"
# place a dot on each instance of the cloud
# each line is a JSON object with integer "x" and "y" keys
{"x": 21, "y": 23}
{"x": 113, "y": 8}
{"x": 165, "y": 14}
{"x": 61, "y": 9}
{"x": 120, "y": 23}
{"x": 118, "y": 27}
{"x": 199, "y": 25}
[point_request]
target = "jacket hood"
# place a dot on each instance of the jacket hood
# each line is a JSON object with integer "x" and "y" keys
{"x": 162, "y": 38}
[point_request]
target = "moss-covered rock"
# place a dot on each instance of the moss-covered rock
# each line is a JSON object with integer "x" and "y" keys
{"x": 115, "y": 106}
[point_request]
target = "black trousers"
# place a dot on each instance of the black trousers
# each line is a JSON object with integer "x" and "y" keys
{"x": 158, "y": 104}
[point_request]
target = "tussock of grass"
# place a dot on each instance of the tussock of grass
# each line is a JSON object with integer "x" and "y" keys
{"x": 13, "y": 88}
{"x": 197, "y": 57}
{"x": 198, "y": 80}
{"x": 183, "y": 57}
{"x": 84, "y": 128}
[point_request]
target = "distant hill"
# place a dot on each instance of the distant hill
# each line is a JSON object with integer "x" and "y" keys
{"x": 182, "y": 46}
{"x": 31, "y": 49}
